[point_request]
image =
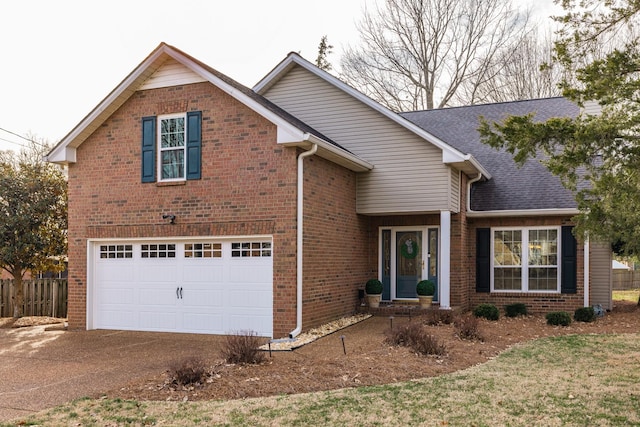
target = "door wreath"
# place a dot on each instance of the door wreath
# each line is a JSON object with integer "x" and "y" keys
{"x": 409, "y": 249}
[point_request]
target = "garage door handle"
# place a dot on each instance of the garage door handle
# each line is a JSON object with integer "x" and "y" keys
{"x": 180, "y": 293}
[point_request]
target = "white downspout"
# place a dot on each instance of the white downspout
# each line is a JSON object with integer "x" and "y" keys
{"x": 587, "y": 248}
{"x": 471, "y": 181}
{"x": 300, "y": 204}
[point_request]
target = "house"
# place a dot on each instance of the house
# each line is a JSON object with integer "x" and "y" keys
{"x": 199, "y": 205}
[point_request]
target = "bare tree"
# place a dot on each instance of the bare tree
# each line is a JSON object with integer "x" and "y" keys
{"x": 416, "y": 54}
{"x": 525, "y": 72}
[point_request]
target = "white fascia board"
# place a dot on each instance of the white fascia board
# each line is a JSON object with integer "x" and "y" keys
{"x": 447, "y": 150}
{"x": 358, "y": 164}
{"x": 452, "y": 158}
{"x": 524, "y": 212}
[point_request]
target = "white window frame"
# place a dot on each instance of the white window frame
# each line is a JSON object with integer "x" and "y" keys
{"x": 160, "y": 150}
{"x": 525, "y": 260}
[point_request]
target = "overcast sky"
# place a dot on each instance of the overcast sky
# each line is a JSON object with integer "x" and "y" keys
{"x": 61, "y": 58}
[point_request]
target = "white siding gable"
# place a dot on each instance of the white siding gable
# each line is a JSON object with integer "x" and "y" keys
{"x": 408, "y": 176}
{"x": 171, "y": 73}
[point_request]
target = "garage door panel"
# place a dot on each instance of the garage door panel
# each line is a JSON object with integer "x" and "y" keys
{"x": 249, "y": 299}
{"x": 198, "y": 273}
{"x": 261, "y": 325}
{"x": 158, "y": 297}
{"x": 222, "y": 292}
{"x": 203, "y": 323}
{"x": 118, "y": 293}
{"x": 119, "y": 318}
{"x": 203, "y": 298}
{"x": 249, "y": 272}
{"x": 163, "y": 273}
{"x": 151, "y": 320}
{"x": 108, "y": 273}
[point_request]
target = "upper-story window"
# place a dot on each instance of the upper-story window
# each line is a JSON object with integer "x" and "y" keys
{"x": 171, "y": 147}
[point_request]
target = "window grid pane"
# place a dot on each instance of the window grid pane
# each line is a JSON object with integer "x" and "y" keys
{"x": 162, "y": 250}
{"x": 507, "y": 279}
{"x": 203, "y": 250}
{"x": 508, "y": 247}
{"x": 116, "y": 251}
{"x": 543, "y": 247}
{"x": 543, "y": 279}
{"x": 172, "y": 148}
{"x": 250, "y": 249}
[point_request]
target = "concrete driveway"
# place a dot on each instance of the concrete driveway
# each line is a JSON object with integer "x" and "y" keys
{"x": 42, "y": 368}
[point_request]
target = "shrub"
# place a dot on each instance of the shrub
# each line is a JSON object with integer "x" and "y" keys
{"x": 584, "y": 314}
{"x": 558, "y": 318}
{"x": 426, "y": 288}
{"x": 415, "y": 336}
{"x": 438, "y": 317}
{"x": 242, "y": 347}
{"x": 515, "y": 310}
{"x": 187, "y": 371}
{"x": 373, "y": 287}
{"x": 467, "y": 327}
{"x": 488, "y": 311}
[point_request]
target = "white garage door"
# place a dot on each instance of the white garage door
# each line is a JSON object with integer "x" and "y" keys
{"x": 200, "y": 286}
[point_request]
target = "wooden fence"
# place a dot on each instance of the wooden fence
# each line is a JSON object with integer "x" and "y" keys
{"x": 42, "y": 297}
{"x": 626, "y": 279}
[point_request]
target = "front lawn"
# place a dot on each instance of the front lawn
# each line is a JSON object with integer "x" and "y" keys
{"x": 628, "y": 295}
{"x": 568, "y": 380}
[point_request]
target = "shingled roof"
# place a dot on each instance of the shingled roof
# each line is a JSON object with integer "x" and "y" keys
{"x": 511, "y": 187}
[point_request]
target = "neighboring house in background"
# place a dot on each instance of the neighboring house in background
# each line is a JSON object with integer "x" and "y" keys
{"x": 199, "y": 205}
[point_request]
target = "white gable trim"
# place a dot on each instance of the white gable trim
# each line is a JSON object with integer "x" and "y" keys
{"x": 64, "y": 151}
{"x": 449, "y": 154}
{"x": 171, "y": 73}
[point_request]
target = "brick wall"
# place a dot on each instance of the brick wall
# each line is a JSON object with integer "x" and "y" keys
{"x": 536, "y": 302}
{"x": 462, "y": 267}
{"x": 248, "y": 186}
{"x": 336, "y": 260}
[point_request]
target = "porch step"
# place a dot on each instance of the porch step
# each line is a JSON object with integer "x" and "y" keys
{"x": 397, "y": 308}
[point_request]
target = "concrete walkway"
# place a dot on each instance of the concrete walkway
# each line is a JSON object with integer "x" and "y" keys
{"x": 42, "y": 368}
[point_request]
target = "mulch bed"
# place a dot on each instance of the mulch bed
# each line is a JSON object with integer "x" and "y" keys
{"x": 369, "y": 360}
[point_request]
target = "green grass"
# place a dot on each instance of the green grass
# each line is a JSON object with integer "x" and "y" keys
{"x": 629, "y": 295}
{"x": 574, "y": 380}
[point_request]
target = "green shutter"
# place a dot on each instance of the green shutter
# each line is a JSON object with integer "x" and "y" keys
{"x": 568, "y": 283}
{"x": 194, "y": 144}
{"x": 483, "y": 260}
{"x": 148, "y": 149}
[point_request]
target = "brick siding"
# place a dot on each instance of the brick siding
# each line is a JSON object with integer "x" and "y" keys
{"x": 336, "y": 261}
{"x": 248, "y": 186}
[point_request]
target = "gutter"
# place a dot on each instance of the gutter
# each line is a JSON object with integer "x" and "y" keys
{"x": 299, "y": 270}
{"x": 523, "y": 212}
{"x": 515, "y": 212}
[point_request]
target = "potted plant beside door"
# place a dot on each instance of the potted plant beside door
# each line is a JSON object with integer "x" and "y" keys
{"x": 425, "y": 290}
{"x": 373, "y": 289}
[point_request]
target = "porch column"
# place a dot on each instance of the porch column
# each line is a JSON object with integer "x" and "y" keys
{"x": 445, "y": 260}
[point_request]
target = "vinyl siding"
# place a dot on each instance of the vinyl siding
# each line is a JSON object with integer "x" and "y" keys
{"x": 454, "y": 191}
{"x": 600, "y": 275}
{"x": 408, "y": 174}
{"x": 171, "y": 73}
{"x": 592, "y": 108}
